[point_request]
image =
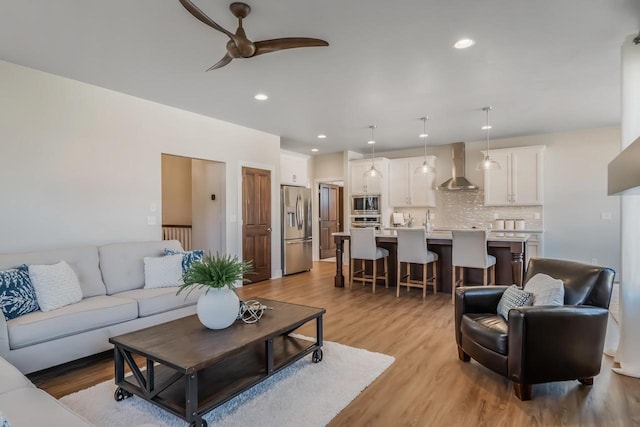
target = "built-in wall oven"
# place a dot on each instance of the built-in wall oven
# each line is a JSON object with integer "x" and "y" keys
{"x": 365, "y": 204}
{"x": 366, "y": 221}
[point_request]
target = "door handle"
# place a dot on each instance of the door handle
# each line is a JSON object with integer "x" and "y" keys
{"x": 269, "y": 230}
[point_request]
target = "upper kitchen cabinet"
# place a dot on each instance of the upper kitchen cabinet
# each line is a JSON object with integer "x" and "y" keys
{"x": 518, "y": 182}
{"x": 408, "y": 189}
{"x": 294, "y": 169}
{"x": 357, "y": 182}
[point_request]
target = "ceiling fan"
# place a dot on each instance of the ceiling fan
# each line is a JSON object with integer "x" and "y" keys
{"x": 239, "y": 46}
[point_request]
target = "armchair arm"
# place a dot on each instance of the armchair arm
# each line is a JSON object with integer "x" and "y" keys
{"x": 4, "y": 337}
{"x": 549, "y": 343}
{"x": 476, "y": 299}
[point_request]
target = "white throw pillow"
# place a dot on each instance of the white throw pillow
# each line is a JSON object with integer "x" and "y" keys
{"x": 546, "y": 290}
{"x": 163, "y": 272}
{"x": 55, "y": 285}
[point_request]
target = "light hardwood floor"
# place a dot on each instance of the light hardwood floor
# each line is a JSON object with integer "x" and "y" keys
{"x": 427, "y": 385}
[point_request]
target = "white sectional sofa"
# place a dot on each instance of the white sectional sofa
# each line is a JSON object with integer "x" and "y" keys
{"x": 26, "y": 406}
{"x": 114, "y": 302}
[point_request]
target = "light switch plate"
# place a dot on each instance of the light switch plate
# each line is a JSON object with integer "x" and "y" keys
{"x": 153, "y": 207}
{"x": 536, "y": 215}
{"x": 151, "y": 220}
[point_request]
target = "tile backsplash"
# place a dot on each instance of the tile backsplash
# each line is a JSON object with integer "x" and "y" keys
{"x": 456, "y": 209}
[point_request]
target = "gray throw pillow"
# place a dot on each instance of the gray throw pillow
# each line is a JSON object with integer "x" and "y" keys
{"x": 513, "y": 297}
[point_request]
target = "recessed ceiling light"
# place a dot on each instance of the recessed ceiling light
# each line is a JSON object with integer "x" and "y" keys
{"x": 371, "y": 142}
{"x": 321, "y": 136}
{"x": 464, "y": 43}
{"x": 261, "y": 97}
{"x": 423, "y": 135}
{"x": 486, "y": 127}
{"x": 315, "y": 150}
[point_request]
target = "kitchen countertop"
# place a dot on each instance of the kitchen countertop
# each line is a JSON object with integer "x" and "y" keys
{"x": 446, "y": 235}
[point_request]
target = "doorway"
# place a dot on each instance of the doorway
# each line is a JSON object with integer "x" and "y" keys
{"x": 193, "y": 202}
{"x": 331, "y": 217}
{"x": 256, "y": 221}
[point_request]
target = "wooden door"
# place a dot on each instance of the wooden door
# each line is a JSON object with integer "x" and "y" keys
{"x": 329, "y": 218}
{"x": 256, "y": 221}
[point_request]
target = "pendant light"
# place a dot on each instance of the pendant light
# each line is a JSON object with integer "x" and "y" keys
{"x": 372, "y": 172}
{"x": 487, "y": 163}
{"x": 425, "y": 169}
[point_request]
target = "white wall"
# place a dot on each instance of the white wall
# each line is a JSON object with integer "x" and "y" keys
{"x": 80, "y": 164}
{"x": 208, "y": 215}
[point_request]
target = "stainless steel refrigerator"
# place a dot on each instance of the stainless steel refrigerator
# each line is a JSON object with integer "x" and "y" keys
{"x": 297, "y": 247}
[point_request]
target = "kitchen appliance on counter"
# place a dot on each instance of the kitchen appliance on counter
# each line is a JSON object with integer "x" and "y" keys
{"x": 297, "y": 247}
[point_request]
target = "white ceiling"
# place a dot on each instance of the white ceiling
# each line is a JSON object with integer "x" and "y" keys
{"x": 545, "y": 65}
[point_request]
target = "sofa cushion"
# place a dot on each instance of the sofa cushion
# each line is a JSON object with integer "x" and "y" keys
{"x": 11, "y": 378}
{"x": 55, "y": 285}
{"x": 17, "y": 296}
{"x": 83, "y": 260}
{"x": 90, "y": 313}
{"x": 159, "y": 300}
{"x": 33, "y": 407}
{"x": 162, "y": 272}
{"x": 4, "y": 422}
{"x": 487, "y": 330}
{"x": 122, "y": 264}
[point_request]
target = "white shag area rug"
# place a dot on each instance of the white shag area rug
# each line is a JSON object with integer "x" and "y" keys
{"x": 305, "y": 393}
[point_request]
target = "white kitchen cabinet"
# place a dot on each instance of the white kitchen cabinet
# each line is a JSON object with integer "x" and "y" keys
{"x": 357, "y": 182}
{"x": 519, "y": 180}
{"x": 407, "y": 189}
{"x": 294, "y": 169}
{"x": 535, "y": 247}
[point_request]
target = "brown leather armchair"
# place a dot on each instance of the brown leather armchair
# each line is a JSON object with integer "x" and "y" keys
{"x": 543, "y": 343}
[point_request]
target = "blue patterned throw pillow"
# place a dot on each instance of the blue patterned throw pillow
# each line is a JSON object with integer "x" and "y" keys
{"x": 188, "y": 257}
{"x": 17, "y": 296}
{"x": 4, "y": 422}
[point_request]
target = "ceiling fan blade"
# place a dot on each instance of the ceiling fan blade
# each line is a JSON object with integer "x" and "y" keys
{"x": 274, "y": 45}
{"x": 200, "y": 15}
{"x": 224, "y": 61}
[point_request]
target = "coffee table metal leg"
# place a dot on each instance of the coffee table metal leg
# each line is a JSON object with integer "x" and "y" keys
{"x": 194, "y": 419}
{"x": 316, "y": 357}
{"x": 268, "y": 356}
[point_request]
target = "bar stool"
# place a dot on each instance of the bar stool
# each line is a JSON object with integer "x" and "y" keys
{"x": 412, "y": 249}
{"x": 469, "y": 249}
{"x": 363, "y": 247}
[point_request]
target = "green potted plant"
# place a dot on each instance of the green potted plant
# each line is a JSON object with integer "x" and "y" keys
{"x": 218, "y": 307}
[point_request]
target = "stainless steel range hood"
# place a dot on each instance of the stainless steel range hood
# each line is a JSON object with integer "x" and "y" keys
{"x": 457, "y": 182}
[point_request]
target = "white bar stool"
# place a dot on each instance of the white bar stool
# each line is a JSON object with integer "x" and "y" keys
{"x": 412, "y": 249}
{"x": 469, "y": 250}
{"x": 363, "y": 247}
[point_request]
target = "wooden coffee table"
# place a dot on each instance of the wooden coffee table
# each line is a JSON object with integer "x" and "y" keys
{"x": 191, "y": 369}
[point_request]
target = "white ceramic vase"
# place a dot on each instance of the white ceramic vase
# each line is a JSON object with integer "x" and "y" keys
{"x": 218, "y": 308}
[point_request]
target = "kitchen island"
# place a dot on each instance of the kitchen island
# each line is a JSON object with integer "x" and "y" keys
{"x": 508, "y": 248}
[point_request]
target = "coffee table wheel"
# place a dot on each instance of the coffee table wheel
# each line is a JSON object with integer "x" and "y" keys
{"x": 121, "y": 394}
{"x": 194, "y": 424}
{"x": 317, "y": 355}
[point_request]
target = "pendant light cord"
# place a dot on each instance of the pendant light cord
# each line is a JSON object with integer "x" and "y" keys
{"x": 373, "y": 146}
{"x": 424, "y": 133}
{"x": 488, "y": 127}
